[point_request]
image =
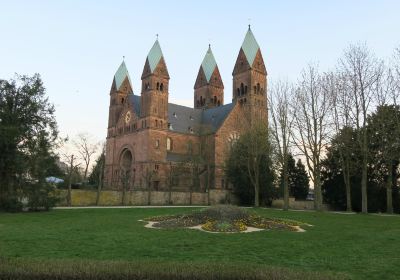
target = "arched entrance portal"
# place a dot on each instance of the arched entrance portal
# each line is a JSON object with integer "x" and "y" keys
{"x": 126, "y": 160}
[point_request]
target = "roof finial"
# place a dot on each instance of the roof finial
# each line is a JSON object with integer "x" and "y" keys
{"x": 157, "y": 36}
{"x": 123, "y": 58}
{"x": 249, "y": 19}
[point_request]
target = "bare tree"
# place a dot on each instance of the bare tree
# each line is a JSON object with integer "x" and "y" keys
{"x": 334, "y": 85}
{"x": 362, "y": 72}
{"x": 86, "y": 149}
{"x": 312, "y": 125}
{"x": 282, "y": 124}
{"x": 72, "y": 167}
{"x": 256, "y": 149}
{"x": 148, "y": 177}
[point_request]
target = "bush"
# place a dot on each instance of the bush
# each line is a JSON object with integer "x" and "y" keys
{"x": 11, "y": 204}
{"x": 41, "y": 196}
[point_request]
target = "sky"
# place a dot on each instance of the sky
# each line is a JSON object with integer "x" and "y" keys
{"x": 76, "y": 46}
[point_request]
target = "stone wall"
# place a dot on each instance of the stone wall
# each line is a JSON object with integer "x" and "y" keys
{"x": 114, "y": 198}
{"x": 298, "y": 204}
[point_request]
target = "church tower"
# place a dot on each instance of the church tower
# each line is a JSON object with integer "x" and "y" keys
{"x": 208, "y": 89}
{"x": 155, "y": 80}
{"x": 250, "y": 79}
{"x": 120, "y": 89}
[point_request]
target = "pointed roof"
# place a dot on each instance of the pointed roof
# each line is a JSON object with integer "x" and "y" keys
{"x": 121, "y": 74}
{"x": 250, "y": 46}
{"x": 209, "y": 64}
{"x": 154, "y": 56}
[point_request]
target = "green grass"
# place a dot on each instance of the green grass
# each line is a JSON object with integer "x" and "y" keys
{"x": 357, "y": 246}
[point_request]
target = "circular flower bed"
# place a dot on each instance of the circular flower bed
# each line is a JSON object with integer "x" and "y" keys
{"x": 224, "y": 219}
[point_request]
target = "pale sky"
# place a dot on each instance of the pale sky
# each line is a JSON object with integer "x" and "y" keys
{"x": 76, "y": 46}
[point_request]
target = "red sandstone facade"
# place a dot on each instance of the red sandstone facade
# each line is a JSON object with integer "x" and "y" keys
{"x": 155, "y": 145}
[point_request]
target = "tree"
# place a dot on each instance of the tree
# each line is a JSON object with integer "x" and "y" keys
{"x": 298, "y": 182}
{"x": 97, "y": 175}
{"x": 362, "y": 72}
{"x": 335, "y": 85}
{"x": 384, "y": 131}
{"x": 312, "y": 126}
{"x": 86, "y": 149}
{"x": 248, "y": 166}
{"x": 26, "y": 120}
{"x": 281, "y": 124}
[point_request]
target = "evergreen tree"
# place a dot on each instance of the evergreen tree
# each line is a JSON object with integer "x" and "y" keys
{"x": 298, "y": 179}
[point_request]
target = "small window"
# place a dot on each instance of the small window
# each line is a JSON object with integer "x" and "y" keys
{"x": 158, "y": 86}
{"x": 156, "y": 167}
{"x": 156, "y": 123}
{"x": 157, "y": 143}
{"x": 169, "y": 144}
{"x": 161, "y": 87}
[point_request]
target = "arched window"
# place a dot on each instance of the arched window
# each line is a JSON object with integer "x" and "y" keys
{"x": 156, "y": 123}
{"x": 161, "y": 87}
{"x": 169, "y": 144}
{"x": 255, "y": 90}
{"x": 157, "y": 143}
{"x": 161, "y": 124}
{"x": 158, "y": 86}
{"x": 241, "y": 89}
{"x": 258, "y": 87}
{"x": 215, "y": 99}
{"x": 245, "y": 89}
{"x": 238, "y": 92}
{"x": 122, "y": 100}
{"x": 219, "y": 103}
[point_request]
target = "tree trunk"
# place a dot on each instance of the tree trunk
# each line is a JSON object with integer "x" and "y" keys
{"x": 349, "y": 207}
{"x": 257, "y": 192}
{"x": 346, "y": 177}
{"x": 285, "y": 187}
{"x": 208, "y": 184}
{"x": 364, "y": 178}
{"x": 170, "y": 180}
{"x": 71, "y": 167}
{"x": 317, "y": 193}
{"x": 99, "y": 187}
{"x": 148, "y": 193}
{"x": 389, "y": 193}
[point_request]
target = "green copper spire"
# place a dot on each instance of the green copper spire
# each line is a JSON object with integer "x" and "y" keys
{"x": 250, "y": 46}
{"x": 154, "y": 56}
{"x": 121, "y": 74}
{"x": 208, "y": 64}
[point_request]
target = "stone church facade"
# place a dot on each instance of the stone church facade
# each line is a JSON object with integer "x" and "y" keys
{"x": 157, "y": 145}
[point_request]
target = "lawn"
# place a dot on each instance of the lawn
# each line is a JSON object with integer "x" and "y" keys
{"x": 350, "y": 246}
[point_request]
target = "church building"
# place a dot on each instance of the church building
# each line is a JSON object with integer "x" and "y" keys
{"x": 157, "y": 145}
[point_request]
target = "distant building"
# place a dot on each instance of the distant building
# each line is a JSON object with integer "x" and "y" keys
{"x": 148, "y": 137}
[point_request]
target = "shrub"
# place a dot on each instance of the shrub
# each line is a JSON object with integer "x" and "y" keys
{"x": 11, "y": 204}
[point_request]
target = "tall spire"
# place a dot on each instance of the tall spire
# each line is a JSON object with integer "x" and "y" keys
{"x": 155, "y": 55}
{"x": 208, "y": 64}
{"x": 121, "y": 74}
{"x": 250, "y": 46}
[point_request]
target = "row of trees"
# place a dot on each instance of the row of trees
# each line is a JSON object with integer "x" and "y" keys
{"x": 350, "y": 114}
